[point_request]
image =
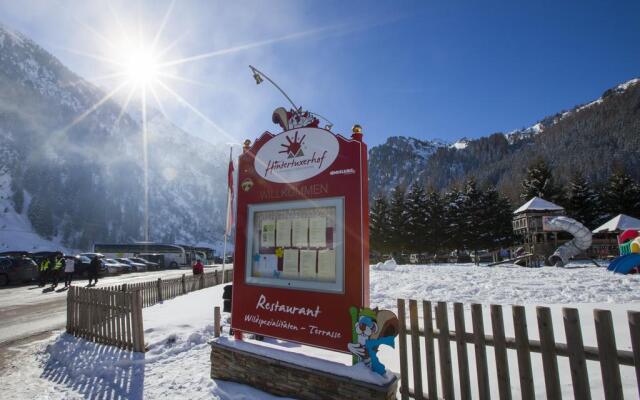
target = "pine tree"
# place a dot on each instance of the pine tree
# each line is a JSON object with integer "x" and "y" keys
{"x": 472, "y": 216}
{"x": 497, "y": 221}
{"x": 539, "y": 182}
{"x": 417, "y": 219}
{"x": 17, "y": 196}
{"x": 582, "y": 202}
{"x": 398, "y": 218}
{"x": 622, "y": 195}
{"x": 379, "y": 225}
{"x": 454, "y": 220}
{"x": 40, "y": 216}
{"x": 435, "y": 235}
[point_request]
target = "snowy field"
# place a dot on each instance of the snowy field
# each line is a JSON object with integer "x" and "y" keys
{"x": 177, "y": 364}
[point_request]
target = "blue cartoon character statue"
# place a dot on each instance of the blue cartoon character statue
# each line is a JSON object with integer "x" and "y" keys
{"x": 372, "y": 328}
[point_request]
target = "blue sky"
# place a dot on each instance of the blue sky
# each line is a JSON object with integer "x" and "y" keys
{"x": 417, "y": 68}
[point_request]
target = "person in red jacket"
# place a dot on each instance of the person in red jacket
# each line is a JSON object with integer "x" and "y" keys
{"x": 198, "y": 268}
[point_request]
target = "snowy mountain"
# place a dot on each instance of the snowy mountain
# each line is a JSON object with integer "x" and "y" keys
{"x": 72, "y": 175}
{"x": 399, "y": 161}
{"x": 593, "y": 138}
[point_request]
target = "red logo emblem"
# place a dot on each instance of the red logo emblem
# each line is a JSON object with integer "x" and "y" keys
{"x": 294, "y": 148}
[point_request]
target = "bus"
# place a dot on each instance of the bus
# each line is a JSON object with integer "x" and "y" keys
{"x": 167, "y": 255}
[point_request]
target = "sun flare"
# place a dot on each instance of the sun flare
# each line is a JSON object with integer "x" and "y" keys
{"x": 141, "y": 68}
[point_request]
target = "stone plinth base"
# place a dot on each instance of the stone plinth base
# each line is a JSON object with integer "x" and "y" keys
{"x": 284, "y": 378}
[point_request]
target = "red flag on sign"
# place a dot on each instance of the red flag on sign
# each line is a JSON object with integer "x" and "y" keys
{"x": 229, "y": 198}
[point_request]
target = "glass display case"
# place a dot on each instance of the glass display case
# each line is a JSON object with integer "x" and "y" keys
{"x": 297, "y": 245}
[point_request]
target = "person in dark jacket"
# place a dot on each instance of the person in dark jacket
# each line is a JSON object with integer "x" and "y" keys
{"x": 94, "y": 267}
{"x": 52, "y": 264}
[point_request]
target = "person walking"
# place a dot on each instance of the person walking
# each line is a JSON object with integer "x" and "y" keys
{"x": 94, "y": 267}
{"x": 56, "y": 270}
{"x": 69, "y": 269}
{"x": 198, "y": 268}
{"x": 42, "y": 275}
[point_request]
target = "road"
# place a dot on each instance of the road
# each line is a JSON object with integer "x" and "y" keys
{"x": 28, "y": 310}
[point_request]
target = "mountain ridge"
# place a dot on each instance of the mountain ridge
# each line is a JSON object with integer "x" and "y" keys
{"x": 608, "y": 126}
{"x": 73, "y": 173}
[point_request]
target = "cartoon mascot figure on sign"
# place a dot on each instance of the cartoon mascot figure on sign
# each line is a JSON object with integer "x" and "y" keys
{"x": 372, "y": 328}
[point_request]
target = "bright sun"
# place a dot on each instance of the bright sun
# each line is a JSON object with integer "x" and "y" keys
{"x": 141, "y": 68}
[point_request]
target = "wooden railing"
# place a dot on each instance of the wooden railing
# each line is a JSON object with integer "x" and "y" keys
{"x": 606, "y": 353}
{"x": 159, "y": 290}
{"x": 106, "y": 316}
{"x": 113, "y": 315}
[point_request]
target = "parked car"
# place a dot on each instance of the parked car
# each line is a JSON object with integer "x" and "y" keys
{"x": 84, "y": 259}
{"x": 115, "y": 267}
{"x": 135, "y": 266}
{"x": 17, "y": 269}
{"x": 150, "y": 265}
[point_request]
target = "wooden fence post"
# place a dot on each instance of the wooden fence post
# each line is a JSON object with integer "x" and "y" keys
{"x": 444, "y": 349}
{"x": 524, "y": 356}
{"x": 216, "y": 321}
{"x": 159, "y": 290}
{"x": 481, "y": 352}
{"x": 608, "y": 355}
{"x": 634, "y": 331}
{"x": 463, "y": 360}
{"x": 577, "y": 360}
{"x": 402, "y": 338}
{"x": 500, "y": 348}
{"x": 136, "y": 321}
{"x": 184, "y": 285}
{"x": 69, "y": 309}
{"x": 548, "y": 350}
{"x": 429, "y": 349}
{"x": 415, "y": 350}
{"x": 201, "y": 281}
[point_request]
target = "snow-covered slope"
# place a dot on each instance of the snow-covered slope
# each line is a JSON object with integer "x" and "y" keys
{"x": 74, "y": 172}
{"x": 177, "y": 363}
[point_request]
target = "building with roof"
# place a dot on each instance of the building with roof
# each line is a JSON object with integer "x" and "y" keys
{"x": 531, "y": 230}
{"x": 605, "y": 237}
{"x": 618, "y": 224}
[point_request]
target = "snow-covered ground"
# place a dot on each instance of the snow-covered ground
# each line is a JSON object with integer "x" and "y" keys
{"x": 177, "y": 364}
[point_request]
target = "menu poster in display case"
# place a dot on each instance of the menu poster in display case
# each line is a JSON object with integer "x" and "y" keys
{"x": 283, "y": 233}
{"x": 267, "y": 265}
{"x": 295, "y": 232}
{"x": 327, "y": 265}
{"x": 268, "y": 233}
{"x": 318, "y": 232}
{"x": 308, "y": 264}
{"x": 300, "y": 232}
{"x": 290, "y": 263}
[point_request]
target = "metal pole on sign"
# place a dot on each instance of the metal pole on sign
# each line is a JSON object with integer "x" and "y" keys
{"x": 224, "y": 256}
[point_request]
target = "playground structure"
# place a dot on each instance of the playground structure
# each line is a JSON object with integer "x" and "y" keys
{"x": 580, "y": 243}
{"x": 629, "y": 260}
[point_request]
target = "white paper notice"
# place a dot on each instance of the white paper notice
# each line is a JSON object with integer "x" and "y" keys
{"x": 268, "y": 233}
{"x": 318, "y": 232}
{"x": 308, "y": 264}
{"x": 290, "y": 263}
{"x": 267, "y": 265}
{"x": 327, "y": 265}
{"x": 300, "y": 232}
{"x": 283, "y": 233}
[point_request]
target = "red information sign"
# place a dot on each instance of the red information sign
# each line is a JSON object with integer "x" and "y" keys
{"x": 301, "y": 251}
